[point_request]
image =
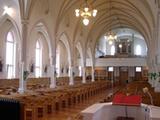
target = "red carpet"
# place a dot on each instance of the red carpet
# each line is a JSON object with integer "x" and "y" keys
{"x": 121, "y": 99}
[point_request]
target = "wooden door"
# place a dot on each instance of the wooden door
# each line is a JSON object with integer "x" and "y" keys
{"x": 123, "y": 77}
{"x": 138, "y": 76}
{"x": 110, "y": 75}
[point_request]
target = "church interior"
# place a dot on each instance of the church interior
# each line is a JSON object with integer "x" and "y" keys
{"x": 80, "y": 59}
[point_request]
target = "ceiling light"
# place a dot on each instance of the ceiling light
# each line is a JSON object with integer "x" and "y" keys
{"x": 105, "y": 37}
{"x": 85, "y": 21}
{"x": 110, "y": 42}
{"x": 86, "y": 12}
{"x": 120, "y": 45}
{"x": 111, "y": 37}
{"x": 7, "y": 10}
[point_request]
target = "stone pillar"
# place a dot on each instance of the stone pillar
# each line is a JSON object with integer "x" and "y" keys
{"x": 23, "y": 63}
{"x": 93, "y": 71}
{"x": 115, "y": 48}
{"x": 71, "y": 75}
{"x": 22, "y": 82}
{"x": 84, "y": 74}
{"x": 65, "y": 71}
{"x": 52, "y": 75}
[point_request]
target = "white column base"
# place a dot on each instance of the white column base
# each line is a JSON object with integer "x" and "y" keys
{"x": 52, "y": 76}
{"x": 83, "y": 81}
{"x": 71, "y": 77}
{"x": 71, "y": 82}
{"x": 52, "y": 86}
{"x": 84, "y": 75}
{"x": 21, "y": 90}
{"x": 22, "y": 83}
{"x": 93, "y": 79}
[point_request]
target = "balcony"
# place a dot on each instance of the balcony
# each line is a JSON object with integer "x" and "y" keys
{"x": 120, "y": 61}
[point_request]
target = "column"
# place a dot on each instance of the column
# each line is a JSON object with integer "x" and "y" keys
{"x": 116, "y": 49}
{"x": 71, "y": 75}
{"x": 22, "y": 83}
{"x": 149, "y": 71}
{"x": 65, "y": 71}
{"x": 84, "y": 74}
{"x": 132, "y": 45}
{"x": 93, "y": 79}
{"x": 23, "y": 65}
{"x": 52, "y": 75}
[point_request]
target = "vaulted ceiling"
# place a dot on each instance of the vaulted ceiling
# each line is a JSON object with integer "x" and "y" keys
{"x": 135, "y": 14}
{"x": 139, "y": 15}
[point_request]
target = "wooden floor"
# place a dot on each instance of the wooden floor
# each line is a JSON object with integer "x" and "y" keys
{"x": 73, "y": 113}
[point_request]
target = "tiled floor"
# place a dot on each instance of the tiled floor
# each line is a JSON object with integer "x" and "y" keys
{"x": 73, "y": 113}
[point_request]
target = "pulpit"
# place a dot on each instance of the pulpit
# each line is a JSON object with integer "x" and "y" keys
{"x": 124, "y": 100}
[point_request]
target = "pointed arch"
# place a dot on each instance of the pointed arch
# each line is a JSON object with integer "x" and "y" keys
{"x": 6, "y": 18}
{"x": 80, "y": 50}
{"x": 65, "y": 40}
{"x": 41, "y": 27}
{"x": 12, "y": 28}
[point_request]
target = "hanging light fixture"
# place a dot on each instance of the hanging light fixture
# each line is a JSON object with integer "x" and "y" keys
{"x": 110, "y": 36}
{"x": 7, "y": 10}
{"x": 86, "y": 12}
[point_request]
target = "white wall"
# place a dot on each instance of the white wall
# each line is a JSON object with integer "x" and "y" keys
{"x": 142, "y": 44}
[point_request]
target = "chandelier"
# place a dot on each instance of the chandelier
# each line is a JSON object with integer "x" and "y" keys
{"x": 111, "y": 37}
{"x": 86, "y": 12}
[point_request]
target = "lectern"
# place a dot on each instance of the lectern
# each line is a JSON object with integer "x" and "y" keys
{"x": 124, "y": 100}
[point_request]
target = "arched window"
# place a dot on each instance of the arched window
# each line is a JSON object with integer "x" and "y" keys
{"x": 138, "y": 50}
{"x": 112, "y": 50}
{"x": 38, "y": 62}
{"x": 10, "y": 55}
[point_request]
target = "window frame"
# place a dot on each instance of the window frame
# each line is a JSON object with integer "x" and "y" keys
{"x": 11, "y": 66}
{"x": 39, "y": 67}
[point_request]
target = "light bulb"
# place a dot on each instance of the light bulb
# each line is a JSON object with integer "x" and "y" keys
{"x": 110, "y": 42}
{"x": 8, "y": 10}
{"x": 110, "y": 37}
{"x": 105, "y": 37}
{"x": 94, "y": 13}
{"x": 86, "y": 9}
{"x": 85, "y": 21}
{"x": 77, "y": 12}
{"x": 120, "y": 45}
{"x": 115, "y": 37}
